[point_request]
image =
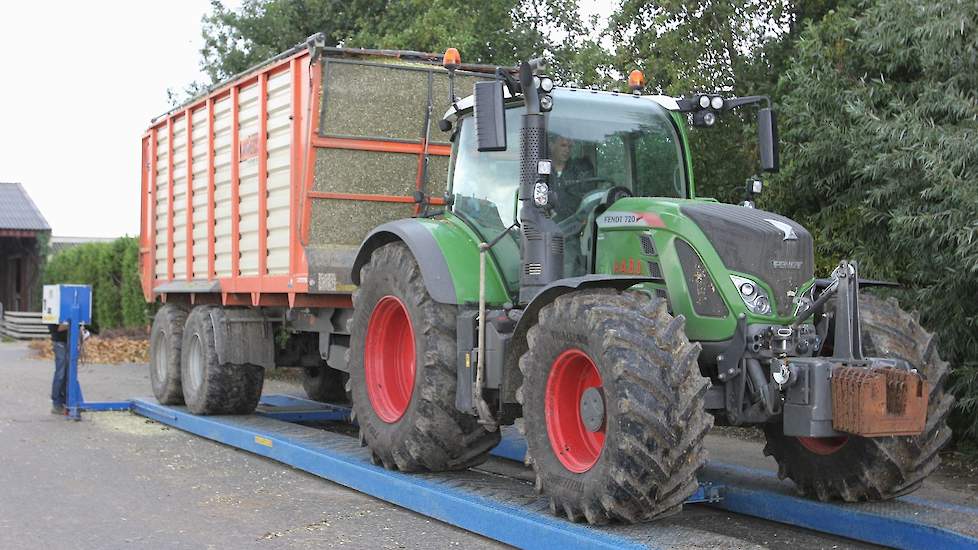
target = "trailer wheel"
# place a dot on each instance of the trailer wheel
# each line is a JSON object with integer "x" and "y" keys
{"x": 165, "y": 341}
{"x": 325, "y": 384}
{"x": 853, "y": 468}
{"x": 402, "y": 371}
{"x": 211, "y": 387}
{"x": 613, "y": 407}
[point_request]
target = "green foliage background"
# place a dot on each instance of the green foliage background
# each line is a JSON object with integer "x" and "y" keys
{"x": 876, "y": 98}
{"x": 112, "y": 270}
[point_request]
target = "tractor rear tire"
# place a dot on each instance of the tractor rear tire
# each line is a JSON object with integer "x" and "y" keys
{"x": 209, "y": 386}
{"x": 643, "y": 464}
{"x": 325, "y": 384}
{"x": 853, "y": 468}
{"x": 165, "y": 342}
{"x": 403, "y": 371}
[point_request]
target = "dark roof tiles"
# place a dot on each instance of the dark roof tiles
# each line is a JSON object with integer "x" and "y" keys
{"x": 18, "y": 211}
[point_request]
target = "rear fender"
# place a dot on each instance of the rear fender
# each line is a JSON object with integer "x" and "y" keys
{"x": 447, "y": 252}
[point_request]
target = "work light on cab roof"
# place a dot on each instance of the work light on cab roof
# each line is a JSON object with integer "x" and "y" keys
{"x": 452, "y": 60}
{"x": 636, "y": 80}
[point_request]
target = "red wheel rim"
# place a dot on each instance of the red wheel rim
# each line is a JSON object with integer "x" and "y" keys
{"x": 823, "y": 445}
{"x": 577, "y": 448}
{"x": 388, "y": 361}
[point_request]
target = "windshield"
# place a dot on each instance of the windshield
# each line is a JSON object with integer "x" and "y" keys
{"x": 601, "y": 140}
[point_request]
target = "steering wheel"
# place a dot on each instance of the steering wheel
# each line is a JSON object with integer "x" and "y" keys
{"x": 615, "y": 194}
{"x": 598, "y": 198}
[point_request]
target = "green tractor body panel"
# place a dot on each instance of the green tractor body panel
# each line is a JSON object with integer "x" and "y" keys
{"x": 460, "y": 247}
{"x": 647, "y": 236}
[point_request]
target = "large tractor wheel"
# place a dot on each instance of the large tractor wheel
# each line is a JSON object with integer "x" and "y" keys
{"x": 613, "y": 407}
{"x": 209, "y": 386}
{"x": 324, "y": 384}
{"x": 853, "y": 468}
{"x": 402, "y": 371}
{"x": 165, "y": 342}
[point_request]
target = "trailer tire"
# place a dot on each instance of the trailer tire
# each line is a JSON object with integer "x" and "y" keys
{"x": 403, "y": 374}
{"x": 325, "y": 384}
{"x": 653, "y": 413}
{"x": 209, "y": 386}
{"x": 854, "y": 468}
{"x": 165, "y": 342}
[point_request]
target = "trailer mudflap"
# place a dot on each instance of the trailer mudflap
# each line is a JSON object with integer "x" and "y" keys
{"x": 876, "y": 402}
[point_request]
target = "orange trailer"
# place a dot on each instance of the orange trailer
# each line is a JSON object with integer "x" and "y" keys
{"x": 240, "y": 185}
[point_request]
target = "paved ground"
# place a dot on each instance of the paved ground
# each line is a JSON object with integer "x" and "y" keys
{"x": 117, "y": 480}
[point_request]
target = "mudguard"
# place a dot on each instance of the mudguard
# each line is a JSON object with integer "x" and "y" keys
{"x": 570, "y": 284}
{"x": 447, "y": 252}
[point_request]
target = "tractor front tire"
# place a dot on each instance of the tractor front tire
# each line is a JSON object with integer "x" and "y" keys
{"x": 641, "y": 461}
{"x": 402, "y": 371}
{"x": 165, "y": 343}
{"x": 853, "y": 468}
{"x": 209, "y": 386}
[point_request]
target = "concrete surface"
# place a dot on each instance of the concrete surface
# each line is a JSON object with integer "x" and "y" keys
{"x": 116, "y": 480}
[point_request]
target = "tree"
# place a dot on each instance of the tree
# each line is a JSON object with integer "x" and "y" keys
{"x": 737, "y": 47}
{"x": 880, "y": 108}
{"x": 501, "y": 32}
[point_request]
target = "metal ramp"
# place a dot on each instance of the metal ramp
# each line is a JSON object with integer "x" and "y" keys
{"x": 508, "y": 509}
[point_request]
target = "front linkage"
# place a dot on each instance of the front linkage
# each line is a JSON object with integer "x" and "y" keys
{"x": 821, "y": 386}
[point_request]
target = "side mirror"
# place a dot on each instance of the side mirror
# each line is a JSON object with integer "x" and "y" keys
{"x": 767, "y": 137}
{"x": 490, "y": 116}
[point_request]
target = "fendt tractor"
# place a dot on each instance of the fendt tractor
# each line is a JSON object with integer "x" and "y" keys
{"x": 568, "y": 279}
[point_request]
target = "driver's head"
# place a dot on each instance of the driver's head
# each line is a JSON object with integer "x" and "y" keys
{"x": 560, "y": 149}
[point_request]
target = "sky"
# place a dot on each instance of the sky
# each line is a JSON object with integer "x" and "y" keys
{"x": 81, "y": 81}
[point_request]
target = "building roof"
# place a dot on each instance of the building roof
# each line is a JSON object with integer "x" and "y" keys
{"x": 18, "y": 211}
{"x": 57, "y": 244}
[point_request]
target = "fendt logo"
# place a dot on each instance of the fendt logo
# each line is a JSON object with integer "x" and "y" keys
{"x": 789, "y": 232}
{"x": 631, "y": 266}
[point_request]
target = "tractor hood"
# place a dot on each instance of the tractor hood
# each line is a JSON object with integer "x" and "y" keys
{"x": 773, "y": 248}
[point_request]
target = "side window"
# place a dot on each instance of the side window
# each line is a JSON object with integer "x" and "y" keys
{"x": 485, "y": 184}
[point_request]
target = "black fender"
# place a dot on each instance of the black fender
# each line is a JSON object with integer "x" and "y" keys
{"x": 550, "y": 293}
{"x": 424, "y": 247}
{"x": 512, "y": 378}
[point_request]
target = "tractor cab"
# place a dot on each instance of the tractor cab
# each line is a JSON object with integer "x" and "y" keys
{"x": 602, "y": 147}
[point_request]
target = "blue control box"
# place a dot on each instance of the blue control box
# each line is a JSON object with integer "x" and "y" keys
{"x": 60, "y": 301}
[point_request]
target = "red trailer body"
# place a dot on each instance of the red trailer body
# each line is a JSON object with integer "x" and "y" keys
{"x": 228, "y": 179}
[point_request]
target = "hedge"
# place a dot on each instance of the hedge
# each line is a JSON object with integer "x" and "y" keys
{"x": 112, "y": 269}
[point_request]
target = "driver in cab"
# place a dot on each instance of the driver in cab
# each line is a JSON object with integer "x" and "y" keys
{"x": 567, "y": 173}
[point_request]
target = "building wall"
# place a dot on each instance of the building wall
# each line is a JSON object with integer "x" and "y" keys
{"x": 20, "y": 266}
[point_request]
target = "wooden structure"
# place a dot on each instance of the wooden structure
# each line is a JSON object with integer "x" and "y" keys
{"x": 22, "y": 229}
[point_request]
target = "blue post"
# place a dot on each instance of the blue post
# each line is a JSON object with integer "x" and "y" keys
{"x": 75, "y": 398}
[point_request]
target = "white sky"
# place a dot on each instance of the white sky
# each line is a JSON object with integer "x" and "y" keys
{"x": 80, "y": 82}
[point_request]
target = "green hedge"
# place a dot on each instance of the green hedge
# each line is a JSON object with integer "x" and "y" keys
{"x": 113, "y": 271}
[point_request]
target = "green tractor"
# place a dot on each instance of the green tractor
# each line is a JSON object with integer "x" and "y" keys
{"x": 575, "y": 285}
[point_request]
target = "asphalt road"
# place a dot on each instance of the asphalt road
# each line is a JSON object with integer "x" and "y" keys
{"x": 116, "y": 480}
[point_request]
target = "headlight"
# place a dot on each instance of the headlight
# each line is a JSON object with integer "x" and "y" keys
{"x": 546, "y": 84}
{"x": 704, "y": 101}
{"x": 752, "y": 294}
{"x": 541, "y": 194}
{"x": 546, "y": 102}
{"x": 716, "y": 102}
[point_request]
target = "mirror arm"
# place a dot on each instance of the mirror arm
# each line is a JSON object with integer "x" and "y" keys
{"x": 736, "y": 102}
